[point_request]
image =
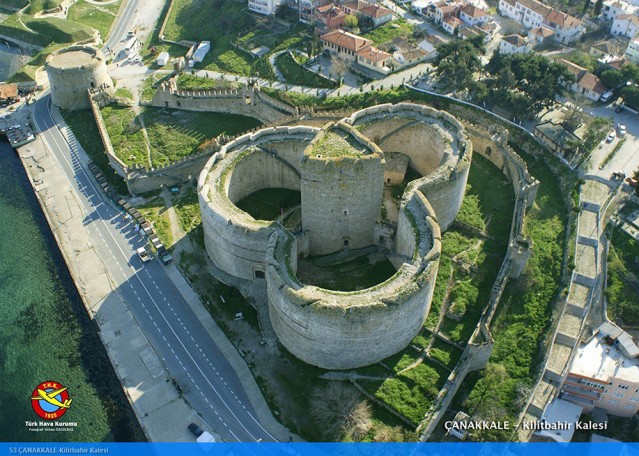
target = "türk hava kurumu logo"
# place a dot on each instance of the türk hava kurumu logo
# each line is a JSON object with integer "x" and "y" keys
{"x": 50, "y": 400}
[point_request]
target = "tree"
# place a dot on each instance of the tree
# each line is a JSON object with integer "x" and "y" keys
{"x": 351, "y": 22}
{"x": 630, "y": 96}
{"x": 339, "y": 67}
{"x": 340, "y": 411}
{"x": 612, "y": 78}
{"x": 631, "y": 72}
{"x": 456, "y": 63}
{"x": 598, "y": 7}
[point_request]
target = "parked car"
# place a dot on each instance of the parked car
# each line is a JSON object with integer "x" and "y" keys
{"x": 622, "y": 130}
{"x": 611, "y": 136}
{"x": 143, "y": 254}
{"x": 195, "y": 429}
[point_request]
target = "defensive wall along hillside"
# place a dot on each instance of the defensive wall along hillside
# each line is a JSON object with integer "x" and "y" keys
{"x": 341, "y": 173}
{"x": 248, "y": 101}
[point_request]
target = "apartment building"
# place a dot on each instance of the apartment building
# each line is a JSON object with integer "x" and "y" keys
{"x": 625, "y": 25}
{"x": 605, "y": 373}
{"x": 265, "y": 7}
{"x": 632, "y": 52}
{"x": 533, "y": 14}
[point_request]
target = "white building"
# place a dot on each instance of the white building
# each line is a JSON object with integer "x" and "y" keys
{"x": 266, "y": 7}
{"x": 203, "y": 48}
{"x": 513, "y": 44}
{"x": 473, "y": 15}
{"x": 605, "y": 373}
{"x": 632, "y": 52}
{"x": 612, "y": 9}
{"x": 625, "y": 25}
{"x": 163, "y": 58}
{"x": 533, "y": 14}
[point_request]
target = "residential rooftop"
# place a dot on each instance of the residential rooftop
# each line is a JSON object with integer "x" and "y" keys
{"x": 600, "y": 360}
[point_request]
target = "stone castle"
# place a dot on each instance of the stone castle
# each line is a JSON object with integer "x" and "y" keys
{"x": 341, "y": 171}
{"x": 74, "y": 71}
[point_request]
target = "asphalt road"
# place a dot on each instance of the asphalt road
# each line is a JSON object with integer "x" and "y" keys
{"x": 191, "y": 357}
{"x": 122, "y": 25}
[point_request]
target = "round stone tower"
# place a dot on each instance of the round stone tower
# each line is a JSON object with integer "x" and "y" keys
{"x": 74, "y": 70}
{"x": 342, "y": 185}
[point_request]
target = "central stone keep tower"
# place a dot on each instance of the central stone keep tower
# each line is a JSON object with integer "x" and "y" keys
{"x": 342, "y": 180}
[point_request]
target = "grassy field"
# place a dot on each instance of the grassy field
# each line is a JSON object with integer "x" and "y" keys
{"x": 522, "y": 317}
{"x": 399, "y": 28}
{"x": 35, "y": 6}
{"x": 489, "y": 213}
{"x": 86, "y": 132}
{"x": 412, "y": 392}
{"x": 296, "y": 74}
{"x": 623, "y": 259}
{"x": 124, "y": 93}
{"x": 126, "y": 135}
{"x": 267, "y": 204}
{"x": 174, "y": 134}
{"x": 99, "y": 17}
{"x": 237, "y": 26}
{"x": 60, "y": 30}
{"x": 155, "y": 210}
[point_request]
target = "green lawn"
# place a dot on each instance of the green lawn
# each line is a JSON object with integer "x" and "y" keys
{"x": 236, "y": 25}
{"x": 623, "y": 259}
{"x": 488, "y": 206}
{"x": 35, "y": 6}
{"x": 86, "y": 132}
{"x": 99, "y": 17}
{"x": 296, "y": 74}
{"x": 126, "y": 135}
{"x": 174, "y": 134}
{"x": 412, "y": 392}
{"x": 124, "y": 93}
{"x": 522, "y": 317}
{"x": 267, "y": 204}
{"x": 155, "y": 210}
{"x": 60, "y": 30}
{"x": 389, "y": 31}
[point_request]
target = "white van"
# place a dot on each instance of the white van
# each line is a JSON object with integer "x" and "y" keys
{"x": 606, "y": 96}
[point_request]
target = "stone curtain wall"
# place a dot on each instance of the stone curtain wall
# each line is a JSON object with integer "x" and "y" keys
{"x": 248, "y": 101}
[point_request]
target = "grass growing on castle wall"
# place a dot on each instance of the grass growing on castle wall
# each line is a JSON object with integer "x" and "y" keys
{"x": 175, "y": 134}
{"x": 187, "y": 81}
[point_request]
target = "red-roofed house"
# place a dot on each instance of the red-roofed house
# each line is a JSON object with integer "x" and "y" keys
{"x": 586, "y": 83}
{"x": 472, "y": 15}
{"x": 377, "y": 13}
{"x": 328, "y": 17}
{"x": 450, "y": 24}
{"x": 540, "y": 35}
{"x": 356, "y": 49}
